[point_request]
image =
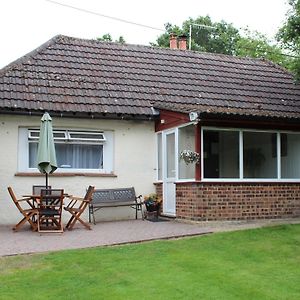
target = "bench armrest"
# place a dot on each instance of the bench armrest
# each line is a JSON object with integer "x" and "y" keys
{"x": 139, "y": 199}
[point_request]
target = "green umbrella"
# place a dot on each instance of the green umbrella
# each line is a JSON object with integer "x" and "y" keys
{"x": 46, "y": 157}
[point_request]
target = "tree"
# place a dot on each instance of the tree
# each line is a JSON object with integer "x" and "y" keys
{"x": 222, "y": 37}
{"x": 255, "y": 44}
{"x": 108, "y": 38}
{"x": 289, "y": 34}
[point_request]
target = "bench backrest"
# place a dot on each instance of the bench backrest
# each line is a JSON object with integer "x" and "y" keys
{"x": 114, "y": 195}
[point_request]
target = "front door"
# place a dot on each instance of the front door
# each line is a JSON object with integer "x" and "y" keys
{"x": 169, "y": 177}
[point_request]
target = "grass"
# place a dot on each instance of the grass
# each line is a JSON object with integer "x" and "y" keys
{"x": 251, "y": 264}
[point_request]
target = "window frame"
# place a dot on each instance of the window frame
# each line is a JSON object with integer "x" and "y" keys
{"x": 163, "y": 158}
{"x": 241, "y": 159}
{"x": 107, "y": 141}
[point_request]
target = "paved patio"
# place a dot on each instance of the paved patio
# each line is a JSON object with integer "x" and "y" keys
{"x": 114, "y": 233}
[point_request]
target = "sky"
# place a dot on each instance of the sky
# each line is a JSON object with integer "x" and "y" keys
{"x": 27, "y": 24}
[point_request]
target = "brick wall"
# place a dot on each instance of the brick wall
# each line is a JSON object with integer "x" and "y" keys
{"x": 159, "y": 192}
{"x": 231, "y": 201}
{"x": 159, "y": 189}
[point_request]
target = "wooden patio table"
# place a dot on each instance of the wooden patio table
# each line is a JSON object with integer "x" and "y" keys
{"x": 36, "y": 199}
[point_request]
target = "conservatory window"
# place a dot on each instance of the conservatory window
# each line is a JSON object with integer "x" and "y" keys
{"x": 247, "y": 154}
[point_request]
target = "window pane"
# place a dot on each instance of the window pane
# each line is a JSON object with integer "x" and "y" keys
{"x": 76, "y": 156}
{"x": 79, "y": 156}
{"x": 186, "y": 142}
{"x": 33, "y": 147}
{"x": 171, "y": 172}
{"x": 159, "y": 156}
{"x": 260, "y": 155}
{"x": 290, "y": 158}
{"x": 221, "y": 154}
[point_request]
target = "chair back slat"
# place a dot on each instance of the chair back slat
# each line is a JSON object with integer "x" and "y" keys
{"x": 14, "y": 198}
{"x": 36, "y": 189}
{"x": 50, "y": 210}
{"x": 29, "y": 213}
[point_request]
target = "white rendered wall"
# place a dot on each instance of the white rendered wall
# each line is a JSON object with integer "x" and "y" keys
{"x": 134, "y": 162}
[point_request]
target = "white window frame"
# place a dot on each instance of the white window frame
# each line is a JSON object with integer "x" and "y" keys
{"x": 241, "y": 166}
{"x": 107, "y": 140}
{"x": 163, "y": 133}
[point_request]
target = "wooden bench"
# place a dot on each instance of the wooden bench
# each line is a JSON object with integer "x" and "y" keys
{"x": 114, "y": 198}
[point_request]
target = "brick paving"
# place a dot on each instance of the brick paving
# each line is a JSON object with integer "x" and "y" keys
{"x": 114, "y": 233}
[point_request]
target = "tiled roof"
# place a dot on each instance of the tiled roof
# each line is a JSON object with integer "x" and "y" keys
{"x": 76, "y": 76}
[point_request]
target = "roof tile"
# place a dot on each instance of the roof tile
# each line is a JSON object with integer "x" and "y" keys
{"x": 87, "y": 76}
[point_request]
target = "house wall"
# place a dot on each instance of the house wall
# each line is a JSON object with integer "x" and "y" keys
{"x": 134, "y": 162}
{"x": 237, "y": 201}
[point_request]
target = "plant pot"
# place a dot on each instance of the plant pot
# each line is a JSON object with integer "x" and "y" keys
{"x": 151, "y": 206}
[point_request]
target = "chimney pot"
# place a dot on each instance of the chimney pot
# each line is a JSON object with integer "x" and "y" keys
{"x": 182, "y": 42}
{"x": 173, "y": 41}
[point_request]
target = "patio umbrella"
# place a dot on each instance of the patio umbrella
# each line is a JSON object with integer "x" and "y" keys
{"x": 46, "y": 157}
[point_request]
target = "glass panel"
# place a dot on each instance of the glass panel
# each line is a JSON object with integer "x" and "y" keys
{"x": 33, "y": 134}
{"x": 221, "y": 154}
{"x": 186, "y": 141}
{"x": 33, "y": 147}
{"x": 159, "y": 156}
{"x": 290, "y": 155}
{"x": 170, "y": 143}
{"x": 91, "y": 136}
{"x": 260, "y": 155}
{"x": 59, "y": 135}
{"x": 76, "y": 156}
{"x": 79, "y": 156}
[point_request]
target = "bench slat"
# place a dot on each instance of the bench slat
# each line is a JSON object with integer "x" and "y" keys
{"x": 113, "y": 198}
{"x": 113, "y": 204}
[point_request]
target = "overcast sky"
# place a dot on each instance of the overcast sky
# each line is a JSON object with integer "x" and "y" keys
{"x": 26, "y": 24}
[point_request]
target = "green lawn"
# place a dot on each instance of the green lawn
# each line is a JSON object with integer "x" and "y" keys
{"x": 251, "y": 264}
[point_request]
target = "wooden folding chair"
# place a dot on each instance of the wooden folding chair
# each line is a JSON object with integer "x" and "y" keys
{"x": 77, "y": 206}
{"x": 50, "y": 210}
{"x": 28, "y": 213}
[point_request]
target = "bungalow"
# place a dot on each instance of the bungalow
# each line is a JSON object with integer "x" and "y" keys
{"x": 124, "y": 114}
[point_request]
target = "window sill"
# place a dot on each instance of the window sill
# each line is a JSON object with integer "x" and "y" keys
{"x": 69, "y": 174}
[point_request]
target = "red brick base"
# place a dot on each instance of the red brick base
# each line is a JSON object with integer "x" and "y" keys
{"x": 237, "y": 201}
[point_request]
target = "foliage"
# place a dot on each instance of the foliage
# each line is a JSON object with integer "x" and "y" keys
{"x": 152, "y": 202}
{"x": 189, "y": 156}
{"x": 108, "y": 38}
{"x": 225, "y": 38}
{"x": 289, "y": 34}
{"x": 219, "y": 40}
{"x": 251, "y": 264}
{"x": 255, "y": 44}
{"x": 152, "y": 197}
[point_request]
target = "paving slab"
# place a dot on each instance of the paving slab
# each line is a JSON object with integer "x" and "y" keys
{"x": 113, "y": 233}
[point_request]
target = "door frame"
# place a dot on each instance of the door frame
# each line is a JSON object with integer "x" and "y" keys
{"x": 169, "y": 180}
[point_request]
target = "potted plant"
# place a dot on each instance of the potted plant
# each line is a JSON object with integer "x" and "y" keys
{"x": 152, "y": 202}
{"x": 190, "y": 156}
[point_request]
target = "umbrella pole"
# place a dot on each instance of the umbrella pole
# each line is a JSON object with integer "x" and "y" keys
{"x": 46, "y": 180}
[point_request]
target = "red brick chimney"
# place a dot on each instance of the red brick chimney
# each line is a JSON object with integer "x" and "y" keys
{"x": 173, "y": 41}
{"x": 182, "y": 42}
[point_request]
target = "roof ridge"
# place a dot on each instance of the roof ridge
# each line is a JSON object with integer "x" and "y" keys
{"x": 60, "y": 37}
{"x": 187, "y": 51}
{"x": 31, "y": 54}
